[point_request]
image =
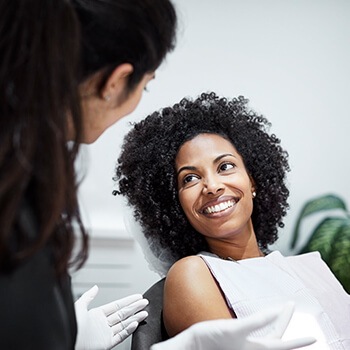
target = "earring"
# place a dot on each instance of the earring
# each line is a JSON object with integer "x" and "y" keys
{"x": 107, "y": 97}
{"x": 253, "y": 194}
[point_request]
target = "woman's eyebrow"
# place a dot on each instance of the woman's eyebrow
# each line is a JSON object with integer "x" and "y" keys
{"x": 223, "y": 156}
{"x": 193, "y": 168}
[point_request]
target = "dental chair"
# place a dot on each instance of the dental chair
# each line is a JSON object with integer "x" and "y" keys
{"x": 151, "y": 330}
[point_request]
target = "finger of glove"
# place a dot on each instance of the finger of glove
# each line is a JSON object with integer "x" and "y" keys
{"x": 180, "y": 341}
{"x": 126, "y": 312}
{"x": 253, "y": 322}
{"x": 88, "y": 296}
{"x": 282, "y": 321}
{"x": 119, "y": 327}
{"x": 123, "y": 334}
{"x": 210, "y": 333}
{"x": 277, "y": 344}
{"x": 120, "y": 303}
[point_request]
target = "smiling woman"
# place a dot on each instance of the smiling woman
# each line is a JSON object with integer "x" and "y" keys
{"x": 150, "y": 175}
{"x": 207, "y": 181}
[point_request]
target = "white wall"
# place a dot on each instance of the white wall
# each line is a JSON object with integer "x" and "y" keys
{"x": 291, "y": 58}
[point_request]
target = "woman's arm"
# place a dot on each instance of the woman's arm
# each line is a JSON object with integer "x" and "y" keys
{"x": 191, "y": 295}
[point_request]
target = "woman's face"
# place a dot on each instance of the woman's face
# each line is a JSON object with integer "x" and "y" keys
{"x": 215, "y": 190}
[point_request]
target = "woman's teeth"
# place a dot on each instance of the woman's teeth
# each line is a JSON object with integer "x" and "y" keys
{"x": 218, "y": 207}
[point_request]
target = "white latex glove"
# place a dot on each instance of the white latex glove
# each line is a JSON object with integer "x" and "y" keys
{"x": 234, "y": 334}
{"x": 105, "y": 326}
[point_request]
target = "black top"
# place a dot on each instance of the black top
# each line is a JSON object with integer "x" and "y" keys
{"x": 36, "y": 308}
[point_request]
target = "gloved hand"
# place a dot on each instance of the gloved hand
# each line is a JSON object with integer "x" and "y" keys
{"x": 234, "y": 334}
{"x": 104, "y": 327}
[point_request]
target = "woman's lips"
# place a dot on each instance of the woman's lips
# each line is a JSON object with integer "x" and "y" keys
{"x": 218, "y": 205}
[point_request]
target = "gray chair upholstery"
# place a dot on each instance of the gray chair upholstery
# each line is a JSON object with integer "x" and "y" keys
{"x": 151, "y": 330}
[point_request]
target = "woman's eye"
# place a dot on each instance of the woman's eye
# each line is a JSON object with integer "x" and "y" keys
{"x": 227, "y": 166}
{"x": 189, "y": 178}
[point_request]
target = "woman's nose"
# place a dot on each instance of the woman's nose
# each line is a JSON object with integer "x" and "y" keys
{"x": 212, "y": 186}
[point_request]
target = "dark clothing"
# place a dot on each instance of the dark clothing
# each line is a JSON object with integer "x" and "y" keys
{"x": 36, "y": 308}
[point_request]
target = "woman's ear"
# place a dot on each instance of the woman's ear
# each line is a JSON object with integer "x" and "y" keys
{"x": 115, "y": 88}
{"x": 253, "y": 188}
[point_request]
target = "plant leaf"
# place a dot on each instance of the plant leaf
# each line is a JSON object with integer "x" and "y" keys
{"x": 324, "y": 202}
{"x": 323, "y": 237}
{"x": 339, "y": 261}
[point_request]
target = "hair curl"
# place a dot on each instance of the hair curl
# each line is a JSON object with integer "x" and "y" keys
{"x": 146, "y": 169}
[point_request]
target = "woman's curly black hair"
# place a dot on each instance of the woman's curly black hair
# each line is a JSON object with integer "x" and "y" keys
{"x": 146, "y": 169}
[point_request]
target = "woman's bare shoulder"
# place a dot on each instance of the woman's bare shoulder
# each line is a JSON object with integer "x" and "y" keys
{"x": 188, "y": 265}
{"x": 191, "y": 295}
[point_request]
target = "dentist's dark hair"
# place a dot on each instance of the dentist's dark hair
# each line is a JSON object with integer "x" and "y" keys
{"x": 47, "y": 49}
{"x": 38, "y": 89}
{"x": 139, "y": 32}
{"x": 146, "y": 169}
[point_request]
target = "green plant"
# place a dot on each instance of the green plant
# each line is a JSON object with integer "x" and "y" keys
{"x": 331, "y": 236}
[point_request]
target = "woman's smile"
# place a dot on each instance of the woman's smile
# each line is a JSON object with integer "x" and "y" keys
{"x": 219, "y": 207}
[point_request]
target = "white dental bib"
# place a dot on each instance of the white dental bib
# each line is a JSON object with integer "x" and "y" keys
{"x": 322, "y": 307}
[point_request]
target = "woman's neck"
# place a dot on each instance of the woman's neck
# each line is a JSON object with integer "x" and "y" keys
{"x": 243, "y": 248}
